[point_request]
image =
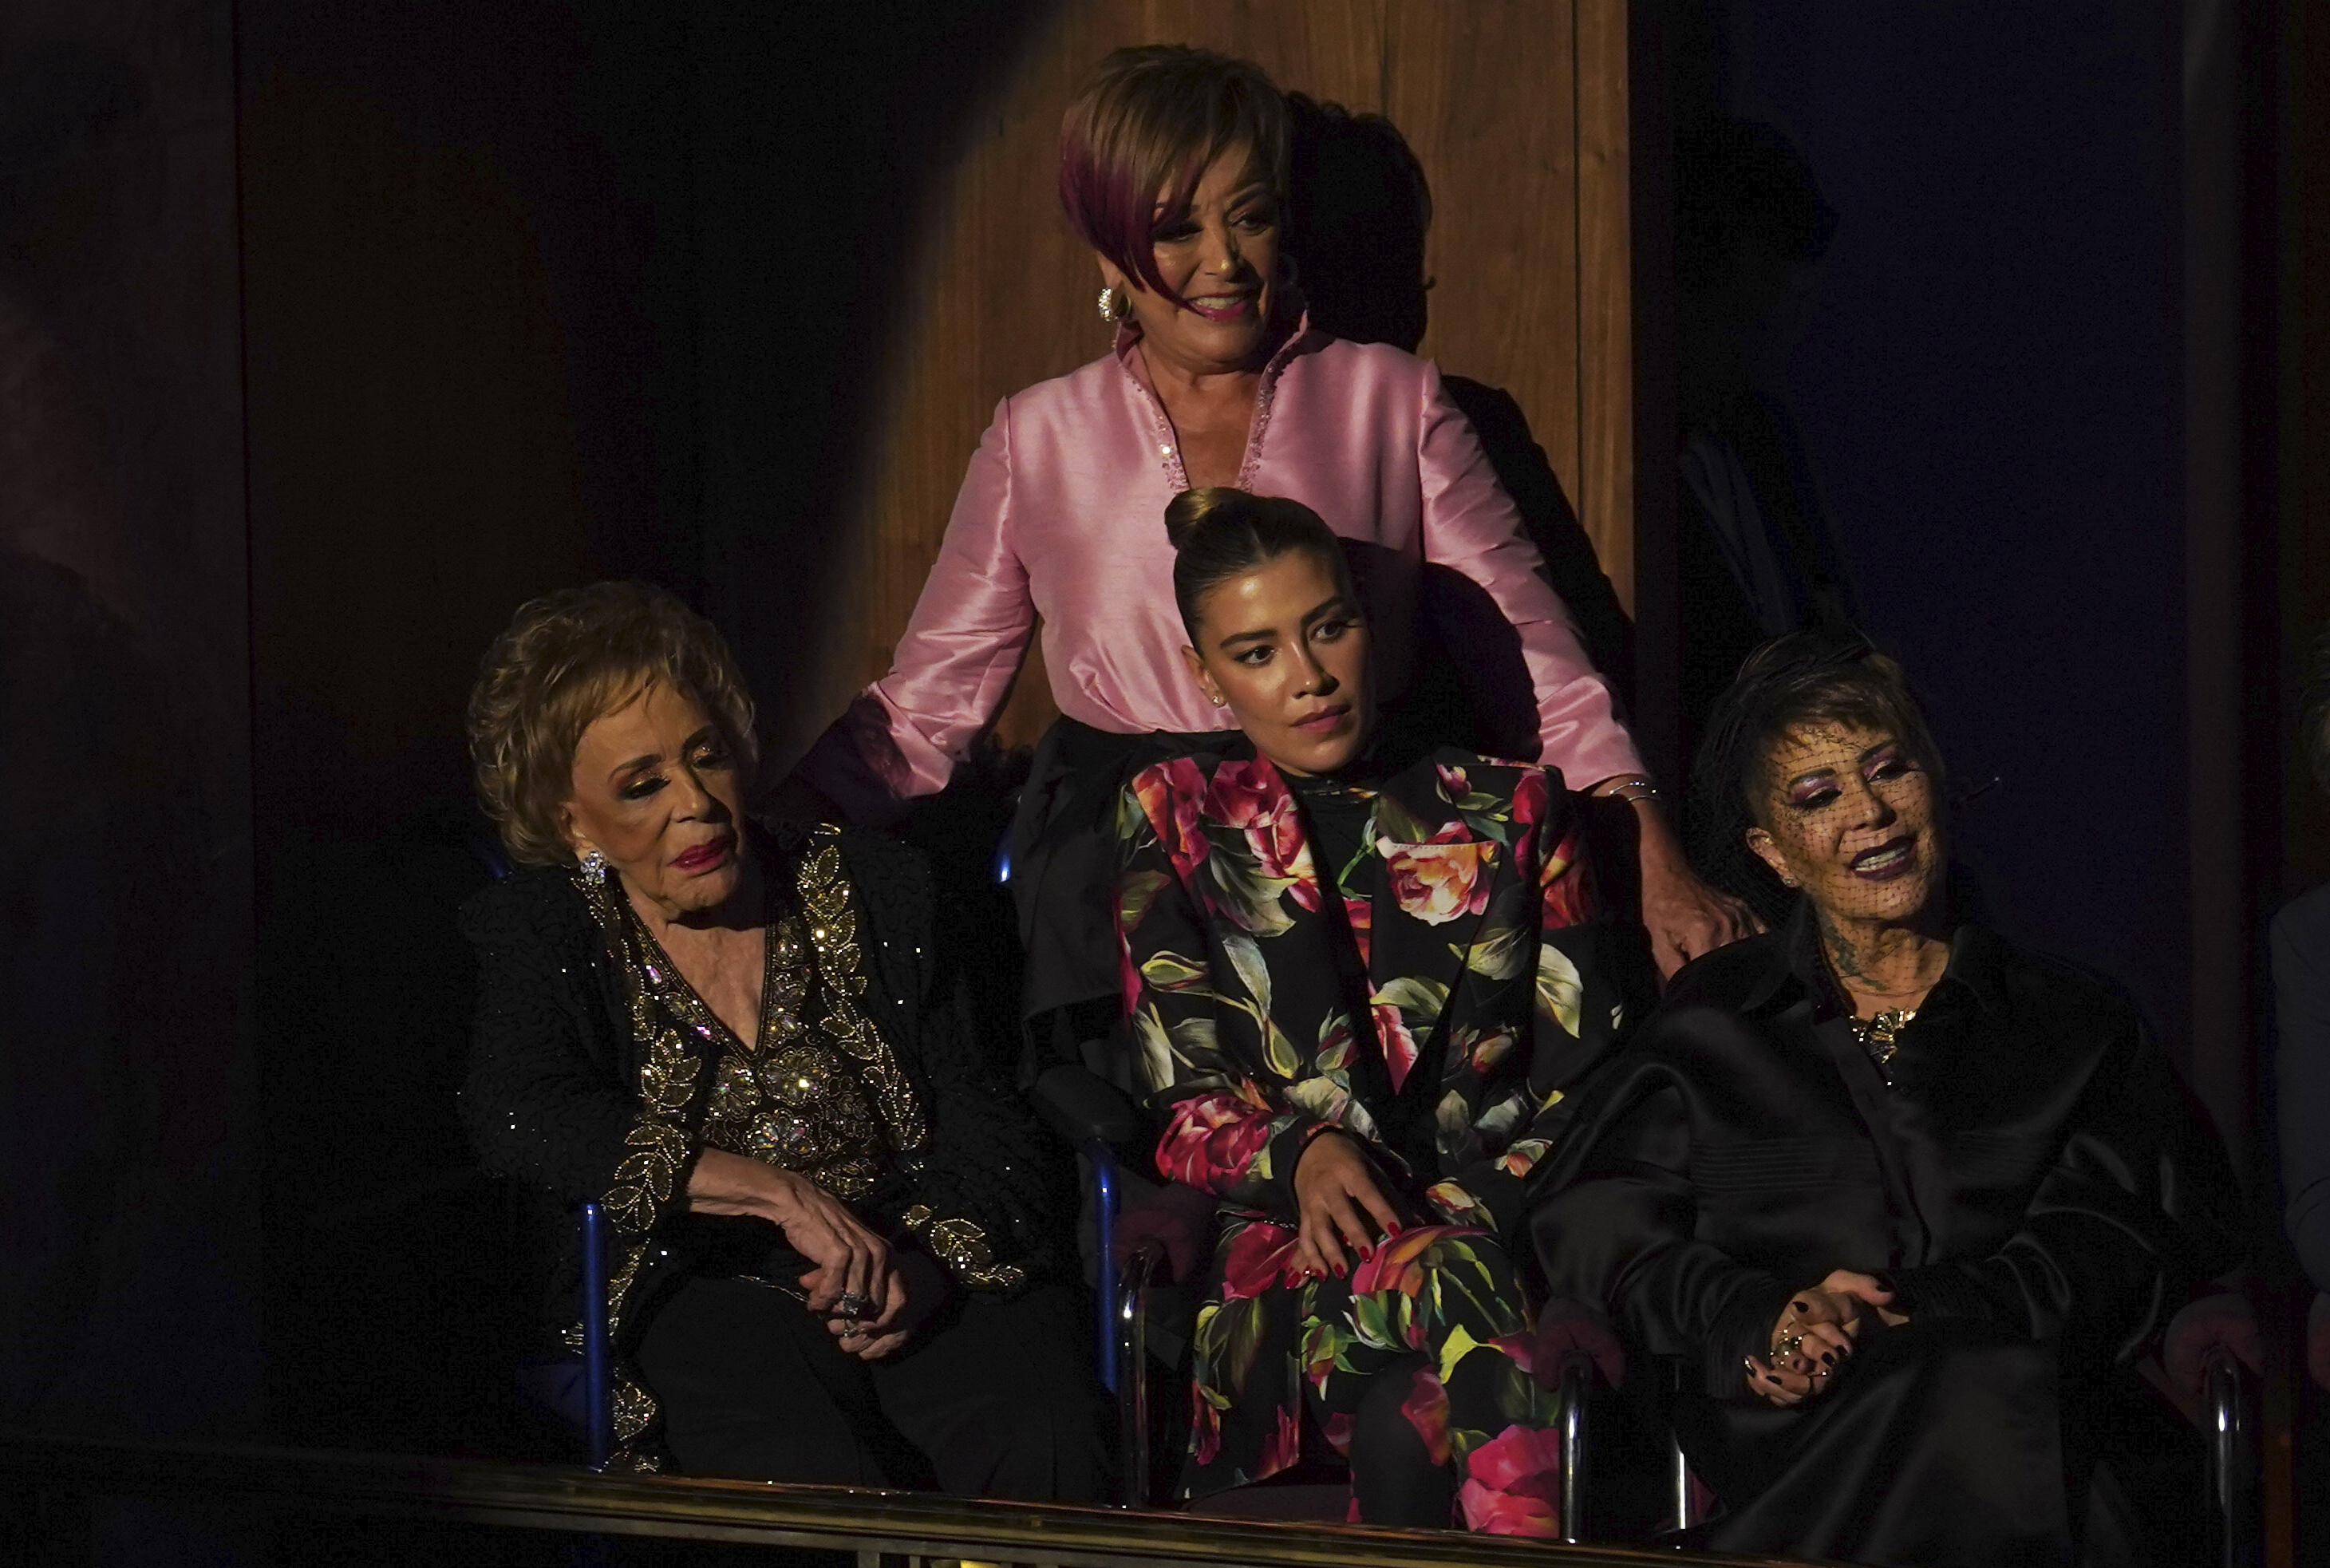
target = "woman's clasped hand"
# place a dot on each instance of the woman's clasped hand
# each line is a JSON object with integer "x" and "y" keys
{"x": 1815, "y": 1335}
{"x": 858, "y": 1285}
{"x": 1340, "y": 1205}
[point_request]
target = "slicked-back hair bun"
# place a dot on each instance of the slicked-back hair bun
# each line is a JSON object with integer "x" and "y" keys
{"x": 1220, "y": 532}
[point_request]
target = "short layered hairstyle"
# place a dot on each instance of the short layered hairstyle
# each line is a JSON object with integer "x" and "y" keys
{"x": 1152, "y": 119}
{"x": 1803, "y": 681}
{"x": 571, "y": 657}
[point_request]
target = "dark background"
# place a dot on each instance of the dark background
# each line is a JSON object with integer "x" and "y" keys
{"x": 371, "y": 320}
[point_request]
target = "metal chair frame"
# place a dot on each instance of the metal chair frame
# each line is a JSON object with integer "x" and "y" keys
{"x": 598, "y": 1358}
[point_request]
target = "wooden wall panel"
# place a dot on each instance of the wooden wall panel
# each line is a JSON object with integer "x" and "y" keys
{"x": 1486, "y": 93}
{"x": 1003, "y": 293}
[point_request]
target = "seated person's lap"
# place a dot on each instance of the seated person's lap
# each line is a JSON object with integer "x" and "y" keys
{"x": 997, "y": 1392}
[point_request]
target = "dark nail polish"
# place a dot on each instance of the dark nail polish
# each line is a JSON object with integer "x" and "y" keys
{"x": 1828, "y": 1359}
{"x": 1798, "y": 1306}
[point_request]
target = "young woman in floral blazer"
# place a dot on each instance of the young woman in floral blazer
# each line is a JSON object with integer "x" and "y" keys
{"x": 1358, "y": 998}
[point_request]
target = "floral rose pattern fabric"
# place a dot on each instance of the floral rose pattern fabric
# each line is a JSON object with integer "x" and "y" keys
{"x": 1450, "y": 979}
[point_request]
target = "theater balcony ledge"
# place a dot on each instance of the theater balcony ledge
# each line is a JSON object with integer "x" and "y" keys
{"x": 52, "y": 1478}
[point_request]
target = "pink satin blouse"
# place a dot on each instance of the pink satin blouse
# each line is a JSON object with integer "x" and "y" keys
{"x": 1061, "y": 516}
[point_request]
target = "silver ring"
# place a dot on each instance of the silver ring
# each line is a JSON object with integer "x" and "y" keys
{"x": 853, "y": 1305}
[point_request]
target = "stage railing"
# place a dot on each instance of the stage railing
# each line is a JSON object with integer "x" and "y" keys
{"x": 880, "y": 1529}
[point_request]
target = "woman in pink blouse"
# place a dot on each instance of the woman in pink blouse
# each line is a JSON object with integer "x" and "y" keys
{"x": 1173, "y": 167}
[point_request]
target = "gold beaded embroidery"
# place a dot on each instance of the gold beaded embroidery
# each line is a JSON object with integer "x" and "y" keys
{"x": 832, "y": 911}
{"x": 789, "y": 1098}
{"x": 963, "y": 1247}
{"x": 836, "y": 1092}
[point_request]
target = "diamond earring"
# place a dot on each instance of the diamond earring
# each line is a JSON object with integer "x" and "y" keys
{"x": 594, "y": 866}
{"x": 1114, "y": 306}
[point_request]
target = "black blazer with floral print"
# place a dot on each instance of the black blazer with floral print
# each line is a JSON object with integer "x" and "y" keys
{"x": 1460, "y": 958}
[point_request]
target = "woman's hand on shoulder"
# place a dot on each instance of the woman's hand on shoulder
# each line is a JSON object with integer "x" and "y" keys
{"x": 1683, "y": 917}
{"x": 1337, "y": 1204}
{"x": 1815, "y": 1335}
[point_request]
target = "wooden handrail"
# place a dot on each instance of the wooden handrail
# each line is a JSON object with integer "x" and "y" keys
{"x": 872, "y": 1525}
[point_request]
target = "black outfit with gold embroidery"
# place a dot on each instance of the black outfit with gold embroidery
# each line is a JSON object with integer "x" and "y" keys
{"x": 2025, "y": 1169}
{"x": 599, "y": 1075}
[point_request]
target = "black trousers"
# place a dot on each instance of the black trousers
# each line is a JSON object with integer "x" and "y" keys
{"x": 996, "y": 1399}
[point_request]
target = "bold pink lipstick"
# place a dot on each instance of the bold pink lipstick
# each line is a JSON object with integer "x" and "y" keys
{"x": 1242, "y": 308}
{"x": 705, "y": 855}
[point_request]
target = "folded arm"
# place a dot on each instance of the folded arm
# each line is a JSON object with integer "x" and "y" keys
{"x": 1221, "y": 1132}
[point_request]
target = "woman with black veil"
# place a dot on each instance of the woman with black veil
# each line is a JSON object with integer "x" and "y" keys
{"x": 1903, "y": 1204}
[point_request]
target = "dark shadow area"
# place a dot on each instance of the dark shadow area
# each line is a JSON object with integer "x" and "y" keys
{"x": 128, "y": 1296}
{"x": 539, "y": 293}
{"x": 1755, "y": 557}
{"x": 1356, "y": 226}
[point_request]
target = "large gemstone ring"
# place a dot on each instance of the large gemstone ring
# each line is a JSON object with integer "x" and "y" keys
{"x": 853, "y": 1305}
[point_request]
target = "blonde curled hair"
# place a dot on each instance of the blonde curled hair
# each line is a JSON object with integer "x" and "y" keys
{"x": 570, "y": 659}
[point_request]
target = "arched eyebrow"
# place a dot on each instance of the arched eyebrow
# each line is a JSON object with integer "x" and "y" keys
{"x": 1329, "y": 606}
{"x": 1863, "y": 760}
{"x": 1259, "y": 634}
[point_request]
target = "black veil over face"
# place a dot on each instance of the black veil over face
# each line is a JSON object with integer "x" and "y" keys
{"x": 1822, "y": 673}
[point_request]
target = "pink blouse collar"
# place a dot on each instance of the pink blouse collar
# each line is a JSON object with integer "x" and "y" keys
{"x": 1168, "y": 450}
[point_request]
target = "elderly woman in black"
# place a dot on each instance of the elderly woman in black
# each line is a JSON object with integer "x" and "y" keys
{"x": 836, "y": 1250}
{"x": 1905, "y": 1202}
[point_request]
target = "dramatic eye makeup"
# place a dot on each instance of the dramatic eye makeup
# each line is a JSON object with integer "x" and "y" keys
{"x": 1889, "y": 762}
{"x": 705, "y": 752}
{"x": 1812, "y": 792}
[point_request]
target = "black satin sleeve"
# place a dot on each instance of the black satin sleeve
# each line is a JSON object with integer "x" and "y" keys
{"x": 2139, "y": 1207}
{"x": 1615, "y": 1227}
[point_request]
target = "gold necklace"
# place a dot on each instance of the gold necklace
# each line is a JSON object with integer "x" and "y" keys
{"x": 1878, "y": 1035}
